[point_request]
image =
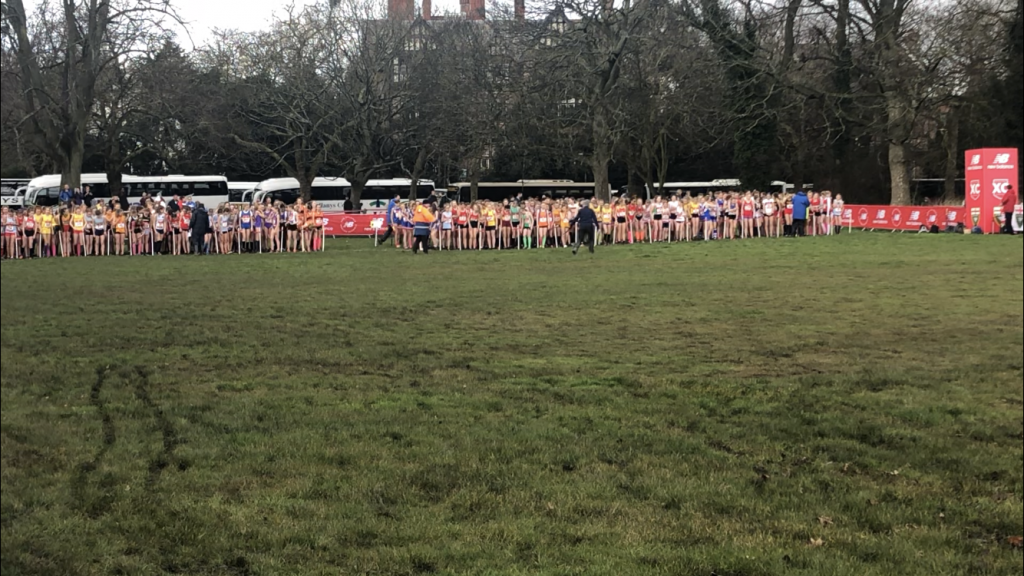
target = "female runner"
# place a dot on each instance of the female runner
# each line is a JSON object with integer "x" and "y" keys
{"x": 45, "y": 221}
{"x": 543, "y": 221}
{"x": 787, "y": 213}
{"x": 709, "y": 214}
{"x": 10, "y": 232}
{"x": 565, "y": 229}
{"x": 28, "y": 232}
{"x": 78, "y": 230}
{"x": 673, "y": 216}
{"x": 813, "y": 221}
{"x": 246, "y": 217}
{"x": 473, "y": 236}
{"x": 621, "y": 230}
{"x": 747, "y": 213}
{"x": 120, "y": 227}
{"x": 527, "y": 219}
{"x": 271, "y": 230}
{"x": 99, "y": 234}
{"x": 837, "y": 213}
{"x": 771, "y": 222}
{"x": 693, "y": 211}
{"x": 506, "y": 225}
{"x": 461, "y": 225}
{"x": 318, "y": 227}
{"x": 308, "y": 227}
{"x": 517, "y": 223}
{"x": 490, "y": 225}
{"x": 291, "y": 227}
{"x": 64, "y": 233}
{"x": 657, "y": 215}
{"x": 225, "y": 230}
{"x": 447, "y": 227}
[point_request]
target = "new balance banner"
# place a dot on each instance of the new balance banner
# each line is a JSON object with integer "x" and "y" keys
{"x": 885, "y": 217}
{"x": 341, "y": 224}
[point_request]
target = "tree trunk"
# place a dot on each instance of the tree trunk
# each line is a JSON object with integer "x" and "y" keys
{"x": 417, "y": 171}
{"x": 951, "y": 142}
{"x": 71, "y": 162}
{"x": 356, "y": 195}
{"x": 114, "y": 183}
{"x": 899, "y": 173}
{"x": 305, "y": 185}
{"x": 474, "y": 180}
{"x": 599, "y": 165}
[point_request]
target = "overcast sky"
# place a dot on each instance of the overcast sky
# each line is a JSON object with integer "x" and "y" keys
{"x": 204, "y": 15}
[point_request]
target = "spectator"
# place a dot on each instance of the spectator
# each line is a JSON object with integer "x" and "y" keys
{"x": 65, "y": 195}
{"x": 199, "y": 226}
{"x": 347, "y": 204}
{"x": 76, "y": 197}
{"x": 800, "y": 205}
{"x": 389, "y": 219}
{"x": 87, "y": 197}
{"x": 1009, "y": 202}
{"x": 122, "y": 198}
{"x": 586, "y": 227}
{"x": 422, "y": 219}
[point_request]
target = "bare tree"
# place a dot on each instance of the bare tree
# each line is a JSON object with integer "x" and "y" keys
{"x": 61, "y": 55}
{"x": 582, "y": 51}
{"x": 285, "y": 106}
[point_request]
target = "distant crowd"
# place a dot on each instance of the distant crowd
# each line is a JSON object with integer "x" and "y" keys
{"x": 522, "y": 223}
{"x": 79, "y": 227}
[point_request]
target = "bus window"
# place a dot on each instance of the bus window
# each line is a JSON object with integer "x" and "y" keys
{"x": 47, "y": 196}
{"x": 327, "y": 193}
{"x": 286, "y": 196}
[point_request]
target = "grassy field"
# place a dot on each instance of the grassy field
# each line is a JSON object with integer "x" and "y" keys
{"x": 841, "y": 406}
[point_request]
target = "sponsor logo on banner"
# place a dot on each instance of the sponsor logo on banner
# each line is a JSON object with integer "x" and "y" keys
{"x": 975, "y": 189}
{"x": 1001, "y": 159}
{"x": 862, "y": 216}
{"x": 975, "y": 215}
{"x": 933, "y": 217}
{"x": 880, "y": 216}
{"x": 1018, "y": 217}
{"x": 975, "y": 159}
{"x": 896, "y": 216}
{"x": 999, "y": 188}
{"x": 951, "y": 216}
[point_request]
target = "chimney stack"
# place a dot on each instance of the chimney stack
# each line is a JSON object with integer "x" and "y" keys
{"x": 400, "y": 9}
{"x": 426, "y": 9}
{"x": 473, "y": 9}
{"x": 520, "y": 9}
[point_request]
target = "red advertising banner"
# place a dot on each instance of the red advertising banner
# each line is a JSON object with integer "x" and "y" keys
{"x": 342, "y": 224}
{"x": 884, "y": 217}
{"x": 989, "y": 172}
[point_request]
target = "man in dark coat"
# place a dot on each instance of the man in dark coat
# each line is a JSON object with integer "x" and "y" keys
{"x": 199, "y": 227}
{"x": 586, "y": 227}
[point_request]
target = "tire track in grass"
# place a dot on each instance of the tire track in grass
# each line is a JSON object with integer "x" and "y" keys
{"x": 95, "y": 501}
{"x": 168, "y": 434}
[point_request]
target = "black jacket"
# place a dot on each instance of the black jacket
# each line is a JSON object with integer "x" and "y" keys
{"x": 200, "y": 224}
{"x": 585, "y": 218}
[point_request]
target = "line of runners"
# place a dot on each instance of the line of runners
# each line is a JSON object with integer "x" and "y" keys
{"x": 530, "y": 223}
{"x": 175, "y": 227}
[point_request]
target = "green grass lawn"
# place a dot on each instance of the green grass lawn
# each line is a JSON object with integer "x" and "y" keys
{"x": 849, "y": 405}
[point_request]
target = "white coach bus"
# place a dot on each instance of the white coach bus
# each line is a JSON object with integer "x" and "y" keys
{"x": 331, "y": 193}
{"x": 210, "y": 190}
